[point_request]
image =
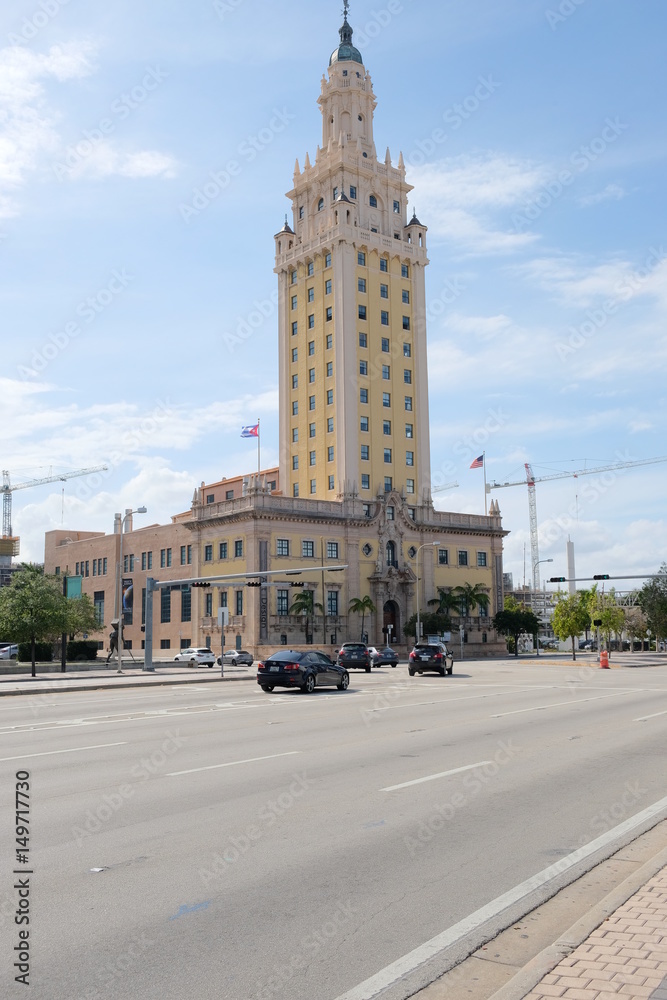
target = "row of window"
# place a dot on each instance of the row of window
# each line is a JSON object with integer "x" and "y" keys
{"x": 388, "y": 485}
{"x": 312, "y": 431}
{"x": 385, "y": 345}
{"x": 335, "y": 191}
{"x": 310, "y": 294}
{"x": 284, "y": 548}
{"x": 311, "y": 373}
{"x": 223, "y": 550}
{"x": 312, "y": 456}
{"x": 361, "y": 260}
{"x": 384, "y": 291}
{"x": 386, "y": 427}
{"x": 312, "y": 402}
{"x": 363, "y": 370}
{"x": 99, "y": 567}
{"x": 386, "y": 399}
{"x": 331, "y": 485}
{"x": 388, "y": 453}
{"x": 384, "y": 317}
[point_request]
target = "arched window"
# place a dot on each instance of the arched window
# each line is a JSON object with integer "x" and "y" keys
{"x": 391, "y": 554}
{"x": 320, "y": 205}
{"x": 372, "y": 201}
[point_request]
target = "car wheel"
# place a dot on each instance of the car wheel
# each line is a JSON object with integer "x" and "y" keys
{"x": 450, "y": 671}
{"x": 368, "y": 668}
{"x": 411, "y": 672}
{"x": 394, "y": 664}
{"x": 267, "y": 687}
{"x": 308, "y": 685}
{"x": 344, "y": 682}
{"x": 442, "y": 671}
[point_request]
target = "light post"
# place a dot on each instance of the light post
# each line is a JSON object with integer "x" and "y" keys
{"x": 119, "y": 585}
{"x": 425, "y": 545}
{"x": 537, "y": 637}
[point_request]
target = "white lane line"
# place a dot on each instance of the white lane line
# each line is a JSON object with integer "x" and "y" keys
{"x": 50, "y": 753}
{"x": 233, "y": 763}
{"x": 645, "y": 717}
{"x": 433, "y": 701}
{"x": 559, "y": 704}
{"x": 432, "y": 777}
{"x": 414, "y": 959}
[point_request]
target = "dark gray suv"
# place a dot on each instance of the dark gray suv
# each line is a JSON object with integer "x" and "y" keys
{"x": 430, "y": 656}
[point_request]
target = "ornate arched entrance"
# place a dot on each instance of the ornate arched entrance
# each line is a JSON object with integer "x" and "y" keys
{"x": 392, "y": 617}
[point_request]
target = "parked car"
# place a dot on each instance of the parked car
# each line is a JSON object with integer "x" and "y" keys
{"x": 196, "y": 657}
{"x": 355, "y": 654}
{"x": 234, "y": 656}
{"x": 385, "y": 657}
{"x": 430, "y": 656}
{"x": 8, "y": 651}
{"x": 306, "y": 671}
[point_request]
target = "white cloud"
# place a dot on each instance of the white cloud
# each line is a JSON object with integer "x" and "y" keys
{"x": 612, "y": 192}
{"x": 105, "y": 160}
{"x": 577, "y": 283}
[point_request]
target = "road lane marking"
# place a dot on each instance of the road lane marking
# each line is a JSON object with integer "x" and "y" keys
{"x": 432, "y": 777}
{"x": 559, "y": 704}
{"x": 645, "y": 717}
{"x": 50, "y": 753}
{"x": 232, "y": 763}
{"x": 391, "y": 974}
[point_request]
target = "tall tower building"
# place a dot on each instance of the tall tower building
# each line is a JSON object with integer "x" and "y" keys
{"x": 352, "y": 315}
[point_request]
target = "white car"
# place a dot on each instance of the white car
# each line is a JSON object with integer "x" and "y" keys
{"x": 8, "y": 651}
{"x": 196, "y": 657}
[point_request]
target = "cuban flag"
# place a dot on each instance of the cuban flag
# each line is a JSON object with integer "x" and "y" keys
{"x": 250, "y": 432}
{"x": 478, "y": 463}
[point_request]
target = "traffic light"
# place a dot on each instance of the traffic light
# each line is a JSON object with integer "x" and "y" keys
{"x": 253, "y": 583}
{"x": 294, "y": 584}
{"x": 601, "y": 576}
{"x": 597, "y": 621}
{"x": 200, "y": 583}
{"x": 557, "y": 579}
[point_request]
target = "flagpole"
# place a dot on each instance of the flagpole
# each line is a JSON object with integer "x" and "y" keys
{"x": 259, "y": 462}
{"x": 484, "y": 467}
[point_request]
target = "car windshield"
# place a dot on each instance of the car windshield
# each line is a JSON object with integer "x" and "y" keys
{"x": 354, "y": 645}
{"x": 287, "y": 655}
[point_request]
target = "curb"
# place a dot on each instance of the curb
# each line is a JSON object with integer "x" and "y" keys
{"x": 534, "y": 972}
{"x": 107, "y": 682}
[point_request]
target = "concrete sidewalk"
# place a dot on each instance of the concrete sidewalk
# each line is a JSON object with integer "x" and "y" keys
{"x": 108, "y": 677}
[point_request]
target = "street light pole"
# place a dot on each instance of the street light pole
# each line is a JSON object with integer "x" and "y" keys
{"x": 537, "y": 637}
{"x": 418, "y": 551}
{"x": 119, "y": 585}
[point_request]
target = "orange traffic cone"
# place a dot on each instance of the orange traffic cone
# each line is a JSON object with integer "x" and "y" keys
{"x": 604, "y": 660}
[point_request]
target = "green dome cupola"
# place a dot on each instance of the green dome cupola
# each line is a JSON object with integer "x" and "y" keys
{"x": 346, "y": 52}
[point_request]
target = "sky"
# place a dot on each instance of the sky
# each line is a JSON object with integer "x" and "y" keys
{"x": 138, "y": 314}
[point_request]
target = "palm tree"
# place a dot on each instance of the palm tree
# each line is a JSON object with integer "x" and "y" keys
{"x": 447, "y": 601}
{"x": 362, "y": 606}
{"x": 470, "y": 596}
{"x": 304, "y": 604}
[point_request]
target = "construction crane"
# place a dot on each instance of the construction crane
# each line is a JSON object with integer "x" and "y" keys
{"x": 530, "y": 481}
{"x": 447, "y": 486}
{"x": 10, "y": 545}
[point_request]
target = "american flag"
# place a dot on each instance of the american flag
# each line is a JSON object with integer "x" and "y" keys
{"x": 478, "y": 463}
{"x": 250, "y": 432}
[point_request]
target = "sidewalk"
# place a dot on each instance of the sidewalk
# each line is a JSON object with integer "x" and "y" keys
{"x": 108, "y": 677}
{"x": 626, "y": 956}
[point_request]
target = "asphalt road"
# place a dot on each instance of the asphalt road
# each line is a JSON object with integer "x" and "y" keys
{"x": 217, "y": 842}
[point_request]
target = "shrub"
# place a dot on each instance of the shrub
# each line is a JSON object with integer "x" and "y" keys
{"x": 43, "y": 652}
{"x": 83, "y": 649}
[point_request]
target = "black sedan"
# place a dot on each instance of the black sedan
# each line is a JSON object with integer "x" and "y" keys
{"x": 305, "y": 671}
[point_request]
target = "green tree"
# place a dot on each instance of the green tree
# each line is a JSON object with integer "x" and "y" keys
{"x": 514, "y": 621}
{"x": 571, "y": 617}
{"x": 471, "y": 596}
{"x": 362, "y": 606}
{"x": 447, "y": 600}
{"x": 432, "y": 623}
{"x": 304, "y": 604}
{"x": 653, "y": 602}
{"x": 604, "y": 607}
{"x": 33, "y": 609}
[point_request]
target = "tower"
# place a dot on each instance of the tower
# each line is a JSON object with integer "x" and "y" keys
{"x": 352, "y": 313}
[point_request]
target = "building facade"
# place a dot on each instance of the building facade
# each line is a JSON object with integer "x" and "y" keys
{"x": 353, "y": 488}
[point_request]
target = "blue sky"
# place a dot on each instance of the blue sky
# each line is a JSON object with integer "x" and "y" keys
{"x": 534, "y": 135}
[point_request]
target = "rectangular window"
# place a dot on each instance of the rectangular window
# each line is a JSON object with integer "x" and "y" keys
{"x": 408, "y": 403}
{"x": 208, "y": 553}
{"x": 311, "y": 321}
{"x": 363, "y": 340}
{"x": 229, "y": 494}
{"x": 407, "y": 376}
{"x": 384, "y": 264}
{"x": 365, "y": 452}
{"x": 391, "y": 513}
{"x": 386, "y": 427}
{"x": 312, "y": 458}
{"x": 295, "y": 328}
{"x": 282, "y": 546}
{"x": 98, "y": 601}
{"x": 331, "y": 483}
{"x": 386, "y": 399}
{"x": 294, "y": 302}
{"x": 311, "y": 348}
{"x": 295, "y": 435}
{"x": 409, "y": 486}
{"x": 330, "y": 425}
{"x": 406, "y": 322}
{"x": 239, "y": 602}
{"x": 143, "y": 561}
{"x": 329, "y": 341}
{"x": 311, "y": 294}
{"x": 364, "y": 423}
{"x": 397, "y": 208}
{"x": 362, "y": 312}
{"x": 481, "y": 559}
{"x": 295, "y": 355}
{"x": 163, "y": 558}
{"x": 443, "y": 557}
{"x": 330, "y": 454}
{"x": 126, "y": 565}
{"x": 87, "y": 573}
{"x": 308, "y": 549}
{"x": 463, "y": 557}
{"x": 405, "y": 296}
{"x": 208, "y": 605}
{"x": 409, "y": 430}
{"x": 365, "y": 482}
{"x": 312, "y": 430}
{"x": 165, "y": 643}
{"x": 295, "y": 462}
{"x": 238, "y": 549}
{"x": 295, "y": 490}
{"x": 301, "y": 211}
{"x": 335, "y": 193}
{"x": 332, "y": 550}
{"x": 332, "y": 603}
{"x": 295, "y": 408}
{"x": 407, "y": 351}
{"x": 311, "y": 374}
{"x": 210, "y": 498}
{"x": 165, "y": 606}
{"x": 311, "y": 402}
{"x": 405, "y": 270}
{"x": 353, "y": 192}
{"x": 363, "y": 367}
{"x": 361, "y": 259}
{"x": 313, "y": 486}
{"x": 384, "y": 291}
{"x": 327, "y": 286}
{"x": 361, "y": 284}
{"x": 311, "y": 269}
{"x": 386, "y": 372}
{"x": 385, "y": 345}
{"x": 186, "y": 604}
{"x": 363, "y": 395}
{"x": 329, "y": 369}
{"x": 183, "y": 554}
{"x": 409, "y": 458}
{"x": 293, "y": 277}
{"x": 329, "y": 397}
{"x": 384, "y": 317}
{"x": 222, "y": 550}
{"x": 388, "y": 484}
{"x": 189, "y": 555}
{"x": 295, "y": 381}
{"x": 327, "y": 260}
{"x": 387, "y": 456}
{"x": 282, "y": 602}
{"x": 94, "y": 567}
